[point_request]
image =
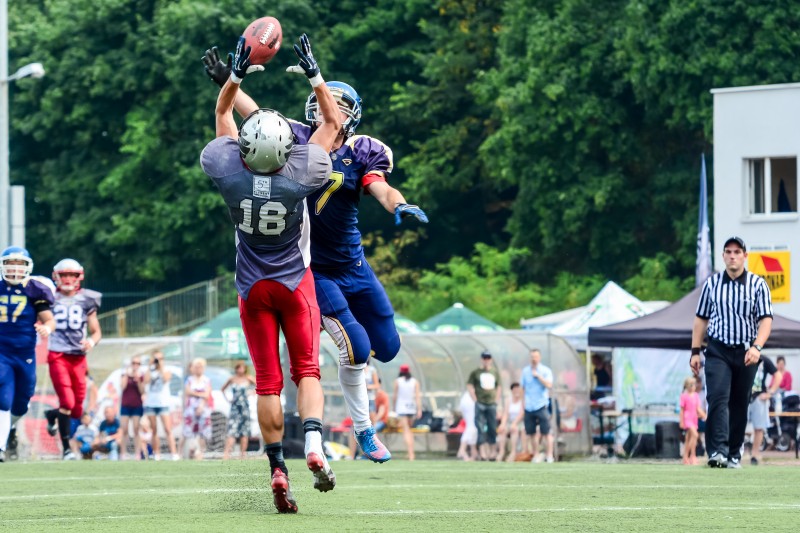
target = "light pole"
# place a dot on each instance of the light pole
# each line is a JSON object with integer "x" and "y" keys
{"x": 35, "y": 70}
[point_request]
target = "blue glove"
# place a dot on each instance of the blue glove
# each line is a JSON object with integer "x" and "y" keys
{"x": 409, "y": 210}
{"x": 241, "y": 62}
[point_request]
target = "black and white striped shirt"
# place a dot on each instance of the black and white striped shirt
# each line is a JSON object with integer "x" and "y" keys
{"x": 733, "y": 307}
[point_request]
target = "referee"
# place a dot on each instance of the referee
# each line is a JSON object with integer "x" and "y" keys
{"x": 735, "y": 309}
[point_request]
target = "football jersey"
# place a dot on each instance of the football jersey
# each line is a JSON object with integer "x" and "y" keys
{"x": 268, "y": 211}
{"x": 71, "y": 313}
{"x": 335, "y": 238}
{"x": 18, "y": 314}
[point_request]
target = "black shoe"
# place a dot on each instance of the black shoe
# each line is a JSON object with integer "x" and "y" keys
{"x": 754, "y": 461}
{"x": 2, "y": 456}
{"x": 717, "y": 460}
{"x": 51, "y": 422}
{"x": 11, "y": 448}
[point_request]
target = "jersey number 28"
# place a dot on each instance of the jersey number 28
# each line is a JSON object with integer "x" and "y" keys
{"x": 68, "y": 317}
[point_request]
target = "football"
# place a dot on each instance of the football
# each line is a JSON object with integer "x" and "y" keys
{"x": 264, "y": 37}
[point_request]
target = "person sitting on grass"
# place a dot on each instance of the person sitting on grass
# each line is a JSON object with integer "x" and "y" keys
{"x": 107, "y": 440}
{"x": 84, "y": 437}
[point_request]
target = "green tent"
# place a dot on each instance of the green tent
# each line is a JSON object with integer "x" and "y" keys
{"x": 406, "y": 325}
{"x": 459, "y": 318}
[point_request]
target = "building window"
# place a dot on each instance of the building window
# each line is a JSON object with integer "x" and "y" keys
{"x": 773, "y": 185}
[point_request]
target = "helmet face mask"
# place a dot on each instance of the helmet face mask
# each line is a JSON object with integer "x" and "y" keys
{"x": 16, "y": 265}
{"x": 349, "y": 103}
{"x": 265, "y": 141}
{"x": 68, "y": 274}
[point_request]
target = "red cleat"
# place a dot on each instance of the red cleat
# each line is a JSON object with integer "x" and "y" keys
{"x": 324, "y": 478}
{"x": 282, "y": 493}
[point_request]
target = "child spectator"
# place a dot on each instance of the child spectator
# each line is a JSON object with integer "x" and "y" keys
{"x": 468, "y": 448}
{"x": 690, "y": 413}
{"x": 146, "y": 438}
{"x": 84, "y": 437}
{"x": 197, "y": 414}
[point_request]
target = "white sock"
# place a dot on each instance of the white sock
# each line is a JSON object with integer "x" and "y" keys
{"x": 354, "y": 389}
{"x": 5, "y": 427}
{"x": 314, "y": 443}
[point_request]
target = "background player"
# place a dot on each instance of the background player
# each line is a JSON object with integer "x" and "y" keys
{"x": 356, "y": 312}
{"x": 23, "y": 302}
{"x": 264, "y": 180}
{"x": 75, "y": 311}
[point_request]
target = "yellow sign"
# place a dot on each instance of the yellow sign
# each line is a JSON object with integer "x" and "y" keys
{"x": 774, "y": 267}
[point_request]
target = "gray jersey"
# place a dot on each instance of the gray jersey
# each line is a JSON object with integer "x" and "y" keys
{"x": 71, "y": 313}
{"x": 268, "y": 211}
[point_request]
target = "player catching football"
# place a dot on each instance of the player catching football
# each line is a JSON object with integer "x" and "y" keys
{"x": 264, "y": 179}
{"x": 356, "y": 312}
{"x": 75, "y": 311}
{"x": 24, "y": 312}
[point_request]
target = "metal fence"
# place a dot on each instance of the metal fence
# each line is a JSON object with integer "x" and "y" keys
{"x": 172, "y": 313}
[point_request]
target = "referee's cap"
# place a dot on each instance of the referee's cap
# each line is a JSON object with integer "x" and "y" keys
{"x": 737, "y": 240}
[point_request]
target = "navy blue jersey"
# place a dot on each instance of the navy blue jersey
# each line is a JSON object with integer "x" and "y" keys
{"x": 19, "y": 307}
{"x": 335, "y": 238}
{"x": 268, "y": 211}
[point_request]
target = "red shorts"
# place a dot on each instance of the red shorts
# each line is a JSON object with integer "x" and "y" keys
{"x": 68, "y": 373}
{"x": 270, "y": 306}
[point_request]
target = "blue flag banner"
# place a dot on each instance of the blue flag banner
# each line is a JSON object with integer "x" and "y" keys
{"x": 703, "y": 269}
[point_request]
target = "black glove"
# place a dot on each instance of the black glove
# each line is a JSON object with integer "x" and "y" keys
{"x": 241, "y": 62}
{"x": 306, "y": 63}
{"x": 217, "y": 71}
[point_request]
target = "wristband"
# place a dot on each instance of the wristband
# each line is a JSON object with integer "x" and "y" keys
{"x": 91, "y": 342}
{"x": 695, "y": 351}
{"x": 235, "y": 79}
{"x": 315, "y": 82}
{"x": 49, "y": 330}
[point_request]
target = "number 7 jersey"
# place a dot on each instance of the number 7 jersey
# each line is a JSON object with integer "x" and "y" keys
{"x": 71, "y": 313}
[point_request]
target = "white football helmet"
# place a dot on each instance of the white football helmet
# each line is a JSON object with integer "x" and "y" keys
{"x": 16, "y": 265}
{"x": 68, "y": 283}
{"x": 265, "y": 141}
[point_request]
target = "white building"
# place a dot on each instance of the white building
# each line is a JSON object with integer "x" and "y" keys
{"x": 756, "y": 145}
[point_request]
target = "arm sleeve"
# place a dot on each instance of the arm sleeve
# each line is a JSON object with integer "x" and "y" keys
{"x": 704, "y": 304}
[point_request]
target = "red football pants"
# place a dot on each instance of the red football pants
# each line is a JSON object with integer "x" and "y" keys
{"x": 270, "y": 306}
{"x": 68, "y": 374}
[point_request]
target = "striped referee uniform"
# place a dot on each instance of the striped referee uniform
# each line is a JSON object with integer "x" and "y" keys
{"x": 734, "y": 308}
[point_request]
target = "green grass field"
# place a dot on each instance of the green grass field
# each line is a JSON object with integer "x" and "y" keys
{"x": 425, "y": 496}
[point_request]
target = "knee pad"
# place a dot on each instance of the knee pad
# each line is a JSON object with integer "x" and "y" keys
{"x": 351, "y": 339}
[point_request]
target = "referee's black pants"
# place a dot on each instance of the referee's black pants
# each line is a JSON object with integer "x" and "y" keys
{"x": 728, "y": 386}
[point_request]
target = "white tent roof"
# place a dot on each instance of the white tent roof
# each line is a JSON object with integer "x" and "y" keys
{"x": 611, "y": 305}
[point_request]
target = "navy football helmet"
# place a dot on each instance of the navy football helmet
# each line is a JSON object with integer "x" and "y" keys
{"x": 348, "y": 100}
{"x": 16, "y": 265}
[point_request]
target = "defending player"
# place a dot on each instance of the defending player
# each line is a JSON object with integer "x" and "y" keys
{"x": 356, "y": 312}
{"x": 75, "y": 311}
{"x": 23, "y": 302}
{"x": 264, "y": 180}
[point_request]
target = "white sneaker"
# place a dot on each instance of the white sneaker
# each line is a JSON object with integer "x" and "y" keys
{"x": 69, "y": 456}
{"x": 176, "y": 457}
{"x": 537, "y": 458}
{"x": 550, "y": 459}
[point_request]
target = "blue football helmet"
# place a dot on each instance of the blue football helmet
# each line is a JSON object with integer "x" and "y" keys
{"x": 348, "y": 100}
{"x": 16, "y": 265}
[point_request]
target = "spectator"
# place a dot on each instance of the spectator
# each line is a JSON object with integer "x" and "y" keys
{"x": 381, "y": 415}
{"x": 145, "y": 438}
{"x": 241, "y": 385}
{"x": 691, "y": 412}
{"x": 197, "y": 414}
{"x": 371, "y": 378}
{"x": 601, "y": 377}
{"x": 758, "y": 411}
{"x": 407, "y": 405}
{"x": 131, "y": 410}
{"x": 701, "y": 424}
{"x": 509, "y": 429}
{"x": 537, "y": 380}
{"x": 468, "y": 448}
{"x": 90, "y": 402}
{"x": 107, "y": 440}
{"x": 484, "y": 387}
{"x": 156, "y": 404}
{"x": 84, "y": 437}
{"x": 786, "y": 380}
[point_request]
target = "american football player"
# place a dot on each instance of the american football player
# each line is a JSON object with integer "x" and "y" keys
{"x": 24, "y": 311}
{"x": 356, "y": 312}
{"x": 75, "y": 312}
{"x": 265, "y": 178}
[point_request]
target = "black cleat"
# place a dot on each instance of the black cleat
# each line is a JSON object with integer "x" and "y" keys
{"x": 51, "y": 422}
{"x": 11, "y": 448}
{"x": 717, "y": 460}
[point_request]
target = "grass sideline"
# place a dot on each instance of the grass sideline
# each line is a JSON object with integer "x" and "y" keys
{"x": 424, "y": 496}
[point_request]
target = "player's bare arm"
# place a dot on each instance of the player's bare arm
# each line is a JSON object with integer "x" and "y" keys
{"x": 46, "y": 324}
{"x": 95, "y": 334}
{"x": 394, "y": 202}
{"x": 225, "y": 124}
{"x": 326, "y": 134}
